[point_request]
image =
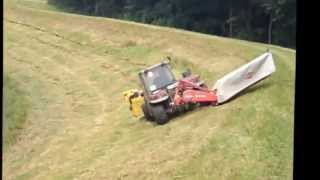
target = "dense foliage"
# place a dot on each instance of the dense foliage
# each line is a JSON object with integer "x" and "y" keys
{"x": 272, "y": 21}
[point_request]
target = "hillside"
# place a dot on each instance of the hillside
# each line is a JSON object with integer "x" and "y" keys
{"x": 73, "y": 70}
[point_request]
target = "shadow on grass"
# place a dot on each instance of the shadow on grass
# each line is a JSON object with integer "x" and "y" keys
{"x": 175, "y": 117}
{"x": 249, "y": 90}
{"x": 15, "y": 111}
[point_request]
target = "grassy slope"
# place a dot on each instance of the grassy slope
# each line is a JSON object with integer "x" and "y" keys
{"x": 74, "y": 69}
{"x": 15, "y": 111}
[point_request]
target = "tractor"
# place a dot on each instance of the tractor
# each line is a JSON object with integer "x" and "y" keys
{"x": 164, "y": 96}
{"x": 163, "y": 93}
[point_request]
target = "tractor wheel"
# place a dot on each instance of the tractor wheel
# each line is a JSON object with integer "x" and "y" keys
{"x": 159, "y": 114}
{"x": 146, "y": 113}
{"x": 203, "y": 86}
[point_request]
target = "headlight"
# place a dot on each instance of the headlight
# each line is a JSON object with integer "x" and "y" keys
{"x": 172, "y": 86}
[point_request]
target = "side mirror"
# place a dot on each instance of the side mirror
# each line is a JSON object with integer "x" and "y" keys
{"x": 166, "y": 61}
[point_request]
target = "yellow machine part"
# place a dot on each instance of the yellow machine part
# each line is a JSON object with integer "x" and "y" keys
{"x": 135, "y": 99}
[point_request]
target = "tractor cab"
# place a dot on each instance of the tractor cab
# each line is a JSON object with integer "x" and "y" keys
{"x": 157, "y": 77}
{"x": 158, "y": 83}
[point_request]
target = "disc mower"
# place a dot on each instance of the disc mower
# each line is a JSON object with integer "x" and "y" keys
{"x": 163, "y": 95}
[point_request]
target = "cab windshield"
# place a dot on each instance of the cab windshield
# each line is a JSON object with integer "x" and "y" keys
{"x": 158, "y": 78}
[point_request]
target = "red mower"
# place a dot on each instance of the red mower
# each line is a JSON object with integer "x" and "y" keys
{"x": 164, "y": 96}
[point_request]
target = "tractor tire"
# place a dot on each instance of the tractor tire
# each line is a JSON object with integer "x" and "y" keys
{"x": 203, "y": 86}
{"x": 146, "y": 112}
{"x": 159, "y": 114}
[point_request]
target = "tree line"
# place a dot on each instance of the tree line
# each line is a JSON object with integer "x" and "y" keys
{"x": 268, "y": 21}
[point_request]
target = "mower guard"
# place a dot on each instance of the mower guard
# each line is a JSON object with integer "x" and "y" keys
{"x": 243, "y": 77}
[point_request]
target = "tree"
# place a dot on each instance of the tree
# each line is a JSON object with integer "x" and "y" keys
{"x": 231, "y": 18}
{"x": 271, "y": 21}
{"x": 273, "y": 8}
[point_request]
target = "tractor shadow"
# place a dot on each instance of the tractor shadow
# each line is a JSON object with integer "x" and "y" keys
{"x": 249, "y": 90}
{"x": 179, "y": 116}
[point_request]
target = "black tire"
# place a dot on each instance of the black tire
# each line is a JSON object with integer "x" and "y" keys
{"x": 159, "y": 114}
{"x": 146, "y": 112}
{"x": 203, "y": 86}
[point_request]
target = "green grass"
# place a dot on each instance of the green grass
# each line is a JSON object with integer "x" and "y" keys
{"x": 73, "y": 71}
{"x": 15, "y": 111}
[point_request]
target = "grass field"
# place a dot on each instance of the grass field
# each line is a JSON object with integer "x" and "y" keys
{"x": 73, "y": 70}
{"x": 15, "y": 111}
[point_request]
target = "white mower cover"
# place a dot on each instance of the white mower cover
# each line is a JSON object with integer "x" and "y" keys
{"x": 243, "y": 77}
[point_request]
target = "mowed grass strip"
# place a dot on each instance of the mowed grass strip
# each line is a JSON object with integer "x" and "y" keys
{"x": 75, "y": 68}
{"x": 15, "y": 111}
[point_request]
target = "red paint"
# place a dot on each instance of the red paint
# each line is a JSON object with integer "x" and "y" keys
{"x": 195, "y": 96}
{"x": 188, "y": 91}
